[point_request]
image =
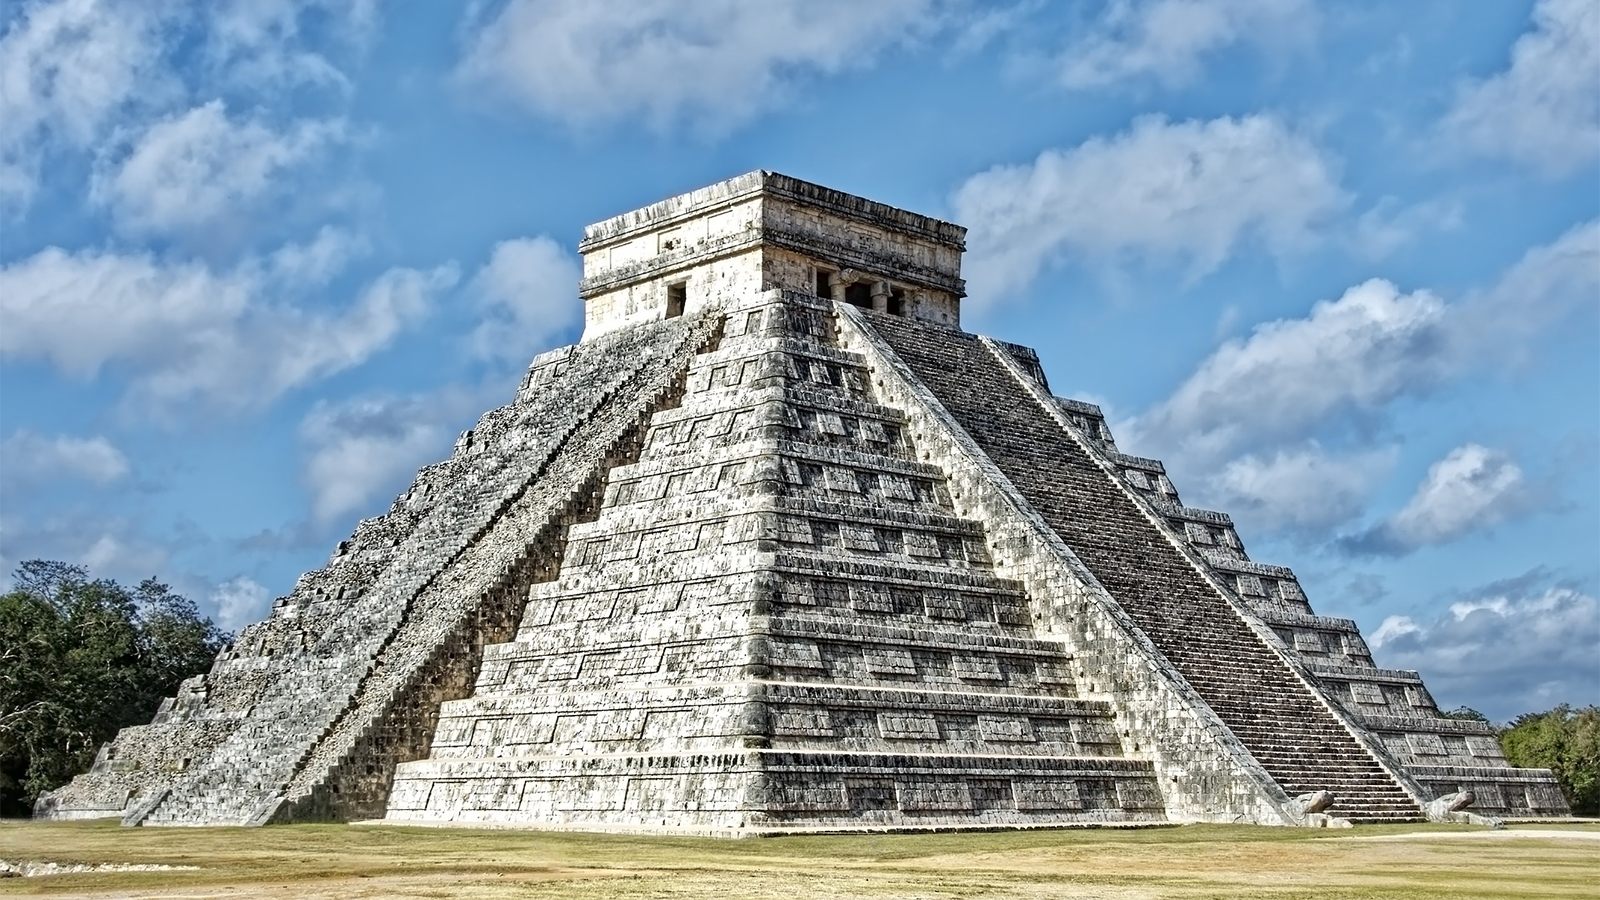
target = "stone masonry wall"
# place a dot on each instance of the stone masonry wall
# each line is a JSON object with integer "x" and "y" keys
{"x": 227, "y": 751}
{"x": 1444, "y": 756}
{"x": 1203, "y": 772}
{"x": 777, "y": 623}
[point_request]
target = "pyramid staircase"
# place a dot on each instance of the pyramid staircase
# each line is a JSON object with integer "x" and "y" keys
{"x": 1293, "y": 734}
{"x": 777, "y": 623}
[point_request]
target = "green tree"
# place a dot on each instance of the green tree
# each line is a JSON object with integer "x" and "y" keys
{"x": 79, "y": 659}
{"x": 1567, "y": 742}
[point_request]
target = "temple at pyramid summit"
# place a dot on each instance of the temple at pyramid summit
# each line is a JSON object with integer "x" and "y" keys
{"x": 777, "y": 547}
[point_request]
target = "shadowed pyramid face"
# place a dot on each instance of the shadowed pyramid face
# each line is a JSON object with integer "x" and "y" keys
{"x": 778, "y": 547}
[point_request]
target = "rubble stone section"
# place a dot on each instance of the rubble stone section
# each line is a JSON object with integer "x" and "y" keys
{"x": 345, "y": 671}
{"x": 777, "y": 623}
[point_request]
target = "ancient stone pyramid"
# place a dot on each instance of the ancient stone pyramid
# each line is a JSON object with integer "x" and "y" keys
{"x": 775, "y": 547}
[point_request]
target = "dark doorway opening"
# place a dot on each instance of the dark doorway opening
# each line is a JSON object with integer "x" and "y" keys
{"x": 677, "y": 297}
{"x": 897, "y": 302}
{"x": 859, "y": 294}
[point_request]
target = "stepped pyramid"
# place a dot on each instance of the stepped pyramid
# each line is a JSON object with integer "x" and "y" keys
{"x": 778, "y": 547}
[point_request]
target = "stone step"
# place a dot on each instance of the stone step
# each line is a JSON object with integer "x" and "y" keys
{"x": 1251, "y": 689}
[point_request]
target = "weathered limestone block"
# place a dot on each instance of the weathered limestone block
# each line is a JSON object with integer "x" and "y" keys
{"x": 282, "y": 700}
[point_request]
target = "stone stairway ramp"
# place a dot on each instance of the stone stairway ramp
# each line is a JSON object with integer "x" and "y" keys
{"x": 290, "y": 753}
{"x": 435, "y": 654}
{"x": 1285, "y": 727}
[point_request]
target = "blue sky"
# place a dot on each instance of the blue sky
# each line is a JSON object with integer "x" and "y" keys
{"x": 1337, "y": 264}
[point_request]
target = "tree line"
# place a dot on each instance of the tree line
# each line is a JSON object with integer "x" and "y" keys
{"x": 82, "y": 658}
{"x": 1565, "y": 740}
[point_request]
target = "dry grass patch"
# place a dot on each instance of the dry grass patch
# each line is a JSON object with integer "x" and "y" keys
{"x": 354, "y": 862}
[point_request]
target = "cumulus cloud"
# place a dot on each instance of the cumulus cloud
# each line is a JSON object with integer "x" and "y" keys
{"x": 190, "y": 334}
{"x": 369, "y": 447}
{"x": 1290, "y": 376}
{"x": 1350, "y": 357}
{"x": 1244, "y": 427}
{"x": 263, "y": 43}
{"x": 1168, "y": 40}
{"x": 1544, "y": 110}
{"x": 1538, "y": 291}
{"x": 314, "y": 263}
{"x": 714, "y": 63}
{"x": 1163, "y": 192}
{"x": 239, "y": 602}
{"x": 189, "y": 170}
{"x": 67, "y": 70}
{"x": 527, "y": 294}
{"x": 1472, "y": 489}
{"x": 76, "y": 75}
{"x": 1299, "y": 489}
{"x": 27, "y": 457}
{"x": 111, "y": 546}
{"x": 1388, "y": 226}
{"x": 1516, "y": 646}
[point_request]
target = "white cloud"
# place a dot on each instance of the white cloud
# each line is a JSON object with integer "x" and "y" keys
{"x": 1534, "y": 294}
{"x": 1290, "y": 376}
{"x": 1512, "y": 648}
{"x": 1472, "y": 489}
{"x": 1168, "y": 39}
{"x": 261, "y": 43}
{"x": 67, "y": 70}
{"x": 714, "y": 63}
{"x": 1350, "y": 357}
{"x": 1394, "y": 628}
{"x": 1242, "y": 429}
{"x": 189, "y": 170}
{"x": 314, "y": 264}
{"x": 1299, "y": 489}
{"x": 370, "y": 447}
{"x": 75, "y": 73}
{"x": 27, "y": 457}
{"x": 1545, "y": 109}
{"x": 239, "y": 602}
{"x": 189, "y": 334}
{"x": 528, "y": 295}
{"x": 111, "y": 546}
{"x": 1388, "y": 226}
{"x": 1187, "y": 192}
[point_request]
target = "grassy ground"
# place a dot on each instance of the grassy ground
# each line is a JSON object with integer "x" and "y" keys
{"x": 352, "y": 862}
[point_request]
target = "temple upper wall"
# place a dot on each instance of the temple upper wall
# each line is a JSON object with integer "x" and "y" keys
{"x": 762, "y": 231}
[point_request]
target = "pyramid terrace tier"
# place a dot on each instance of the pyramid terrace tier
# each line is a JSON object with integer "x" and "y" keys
{"x": 777, "y": 791}
{"x": 1195, "y": 595}
{"x": 715, "y": 716}
{"x": 1285, "y": 725}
